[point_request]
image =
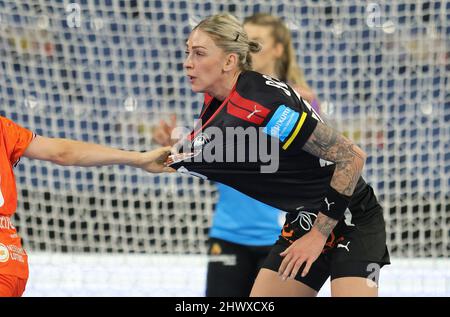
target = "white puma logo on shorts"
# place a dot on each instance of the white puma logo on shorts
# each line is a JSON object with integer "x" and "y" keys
{"x": 344, "y": 246}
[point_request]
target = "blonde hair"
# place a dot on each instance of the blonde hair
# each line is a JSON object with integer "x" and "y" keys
{"x": 228, "y": 34}
{"x": 286, "y": 66}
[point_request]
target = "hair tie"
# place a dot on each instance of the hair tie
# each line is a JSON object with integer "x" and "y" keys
{"x": 237, "y": 37}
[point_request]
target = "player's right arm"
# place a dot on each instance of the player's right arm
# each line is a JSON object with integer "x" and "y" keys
{"x": 70, "y": 152}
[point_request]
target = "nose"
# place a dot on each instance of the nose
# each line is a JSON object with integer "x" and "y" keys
{"x": 188, "y": 62}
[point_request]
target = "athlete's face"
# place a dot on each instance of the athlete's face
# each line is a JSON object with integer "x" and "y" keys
{"x": 264, "y": 60}
{"x": 204, "y": 62}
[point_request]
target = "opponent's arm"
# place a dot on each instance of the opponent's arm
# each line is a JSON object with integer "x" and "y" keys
{"x": 70, "y": 152}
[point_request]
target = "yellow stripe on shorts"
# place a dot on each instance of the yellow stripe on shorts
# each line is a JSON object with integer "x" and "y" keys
{"x": 297, "y": 129}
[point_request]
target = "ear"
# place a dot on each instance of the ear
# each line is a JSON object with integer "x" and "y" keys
{"x": 231, "y": 62}
{"x": 278, "y": 50}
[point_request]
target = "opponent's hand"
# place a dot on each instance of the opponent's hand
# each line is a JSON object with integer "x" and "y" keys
{"x": 304, "y": 250}
{"x": 178, "y": 157}
{"x": 163, "y": 131}
{"x": 155, "y": 161}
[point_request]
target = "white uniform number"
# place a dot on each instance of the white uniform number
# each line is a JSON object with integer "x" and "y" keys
{"x": 278, "y": 84}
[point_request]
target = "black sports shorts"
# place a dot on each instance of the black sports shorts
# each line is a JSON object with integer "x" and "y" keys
{"x": 356, "y": 247}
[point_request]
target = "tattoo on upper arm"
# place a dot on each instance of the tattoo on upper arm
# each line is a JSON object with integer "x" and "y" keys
{"x": 327, "y": 144}
{"x": 325, "y": 224}
{"x": 321, "y": 140}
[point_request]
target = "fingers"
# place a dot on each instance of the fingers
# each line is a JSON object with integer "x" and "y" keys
{"x": 167, "y": 128}
{"x": 161, "y": 137}
{"x": 300, "y": 256}
{"x": 292, "y": 267}
{"x": 169, "y": 160}
{"x": 176, "y": 147}
{"x": 292, "y": 263}
{"x": 169, "y": 170}
{"x": 163, "y": 153}
{"x": 285, "y": 252}
{"x": 297, "y": 266}
{"x": 173, "y": 120}
{"x": 162, "y": 133}
{"x": 287, "y": 270}
{"x": 309, "y": 262}
{"x": 284, "y": 263}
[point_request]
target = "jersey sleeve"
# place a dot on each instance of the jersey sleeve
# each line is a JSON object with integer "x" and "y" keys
{"x": 291, "y": 125}
{"x": 289, "y": 118}
{"x": 16, "y": 138}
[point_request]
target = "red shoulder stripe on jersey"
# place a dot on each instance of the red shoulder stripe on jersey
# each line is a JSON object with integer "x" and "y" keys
{"x": 247, "y": 109}
{"x": 250, "y": 105}
{"x": 243, "y": 114}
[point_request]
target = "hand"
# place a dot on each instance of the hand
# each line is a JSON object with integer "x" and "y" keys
{"x": 178, "y": 157}
{"x": 162, "y": 132}
{"x": 155, "y": 161}
{"x": 306, "y": 249}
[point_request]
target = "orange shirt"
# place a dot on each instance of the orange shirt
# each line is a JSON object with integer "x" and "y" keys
{"x": 13, "y": 142}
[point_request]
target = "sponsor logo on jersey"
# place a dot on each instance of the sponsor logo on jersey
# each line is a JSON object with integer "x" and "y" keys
{"x": 4, "y": 253}
{"x": 16, "y": 253}
{"x": 282, "y": 123}
{"x": 5, "y": 223}
{"x": 296, "y": 131}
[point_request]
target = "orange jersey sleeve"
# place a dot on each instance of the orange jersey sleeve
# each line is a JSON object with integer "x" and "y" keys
{"x": 13, "y": 142}
{"x": 14, "y": 138}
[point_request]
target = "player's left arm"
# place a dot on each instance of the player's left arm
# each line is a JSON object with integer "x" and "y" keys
{"x": 327, "y": 144}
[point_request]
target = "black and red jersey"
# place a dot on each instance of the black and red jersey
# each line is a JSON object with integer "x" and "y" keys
{"x": 282, "y": 119}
